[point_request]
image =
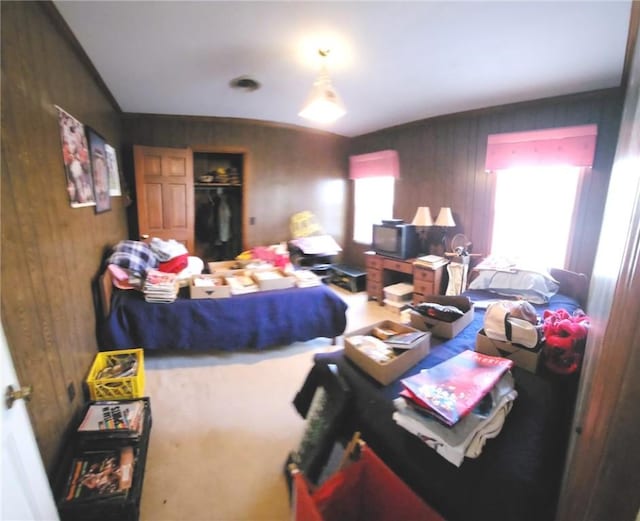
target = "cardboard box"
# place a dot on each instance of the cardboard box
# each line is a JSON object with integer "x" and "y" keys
{"x": 273, "y": 279}
{"x": 387, "y": 372}
{"x": 440, "y": 328}
{"x": 526, "y": 358}
{"x": 241, "y": 284}
{"x": 218, "y": 287}
{"x": 226, "y": 268}
{"x": 401, "y": 292}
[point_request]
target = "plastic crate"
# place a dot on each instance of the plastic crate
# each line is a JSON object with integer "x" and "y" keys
{"x": 116, "y": 388}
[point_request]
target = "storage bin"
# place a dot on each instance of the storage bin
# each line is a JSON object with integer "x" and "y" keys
{"x": 117, "y": 388}
{"x": 362, "y": 488}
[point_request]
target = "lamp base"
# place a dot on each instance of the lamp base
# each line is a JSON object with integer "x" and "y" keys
{"x": 436, "y": 243}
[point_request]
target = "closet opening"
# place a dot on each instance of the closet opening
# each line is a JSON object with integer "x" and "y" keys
{"x": 218, "y": 183}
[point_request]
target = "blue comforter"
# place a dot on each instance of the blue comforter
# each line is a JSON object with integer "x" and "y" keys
{"x": 256, "y": 320}
{"x": 517, "y": 476}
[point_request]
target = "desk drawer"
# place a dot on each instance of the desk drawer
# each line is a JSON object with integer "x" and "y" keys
{"x": 421, "y": 274}
{"x": 424, "y": 287}
{"x": 398, "y": 265}
{"x": 373, "y": 262}
{"x": 374, "y": 289}
{"x": 374, "y": 275}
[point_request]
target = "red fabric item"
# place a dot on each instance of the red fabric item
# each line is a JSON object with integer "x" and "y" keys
{"x": 367, "y": 490}
{"x": 304, "y": 508}
{"x": 175, "y": 265}
{"x": 565, "y": 337}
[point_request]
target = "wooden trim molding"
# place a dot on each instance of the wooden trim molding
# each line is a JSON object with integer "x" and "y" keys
{"x": 632, "y": 37}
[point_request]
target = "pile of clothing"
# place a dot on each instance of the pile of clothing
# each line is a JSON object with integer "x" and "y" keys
{"x": 456, "y": 406}
{"x": 131, "y": 262}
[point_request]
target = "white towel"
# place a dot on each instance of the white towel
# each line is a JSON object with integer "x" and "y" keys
{"x": 457, "y": 278}
{"x": 224, "y": 221}
{"x": 489, "y": 430}
{"x": 167, "y": 250}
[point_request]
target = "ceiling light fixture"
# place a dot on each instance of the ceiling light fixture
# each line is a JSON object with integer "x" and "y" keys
{"x": 323, "y": 104}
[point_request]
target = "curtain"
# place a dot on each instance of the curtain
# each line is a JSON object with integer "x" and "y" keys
{"x": 376, "y": 164}
{"x": 573, "y": 146}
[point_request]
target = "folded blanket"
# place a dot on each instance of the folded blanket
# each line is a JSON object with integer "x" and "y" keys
{"x": 469, "y": 435}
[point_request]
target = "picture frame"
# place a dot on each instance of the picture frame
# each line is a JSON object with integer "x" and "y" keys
{"x": 77, "y": 164}
{"x": 99, "y": 169}
{"x": 114, "y": 173}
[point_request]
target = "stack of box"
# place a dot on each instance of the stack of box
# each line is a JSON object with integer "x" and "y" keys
{"x": 397, "y": 296}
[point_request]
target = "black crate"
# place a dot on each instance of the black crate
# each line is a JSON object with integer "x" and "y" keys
{"x": 109, "y": 508}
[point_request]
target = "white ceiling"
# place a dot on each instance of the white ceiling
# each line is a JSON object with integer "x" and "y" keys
{"x": 391, "y": 62}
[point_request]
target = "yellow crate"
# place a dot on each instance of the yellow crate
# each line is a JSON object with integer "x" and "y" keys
{"x": 116, "y": 388}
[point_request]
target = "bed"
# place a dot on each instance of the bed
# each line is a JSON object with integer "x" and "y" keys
{"x": 518, "y": 474}
{"x": 252, "y": 321}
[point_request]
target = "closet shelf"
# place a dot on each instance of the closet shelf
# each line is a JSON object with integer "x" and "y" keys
{"x": 204, "y": 186}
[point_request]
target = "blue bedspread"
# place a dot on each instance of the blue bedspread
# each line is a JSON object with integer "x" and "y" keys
{"x": 256, "y": 320}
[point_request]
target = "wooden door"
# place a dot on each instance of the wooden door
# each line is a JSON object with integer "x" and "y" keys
{"x": 164, "y": 193}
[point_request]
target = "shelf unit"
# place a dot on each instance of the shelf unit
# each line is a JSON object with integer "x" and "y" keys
{"x": 108, "y": 508}
{"x": 210, "y": 186}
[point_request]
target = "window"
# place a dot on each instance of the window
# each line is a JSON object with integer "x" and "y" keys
{"x": 373, "y": 178}
{"x": 373, "y": 201}
{"x": 533, "y": 213}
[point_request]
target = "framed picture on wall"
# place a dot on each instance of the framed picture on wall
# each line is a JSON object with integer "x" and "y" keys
{"x": 112, "y": 168}
{"x": 97, "y": 150}
{"x": 77, "y": 165}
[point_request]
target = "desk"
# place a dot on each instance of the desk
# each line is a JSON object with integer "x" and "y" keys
{"x": 383, "y": 271}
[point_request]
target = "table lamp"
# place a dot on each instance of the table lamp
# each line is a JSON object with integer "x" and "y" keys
{"x": 444, "y": 221}
{"x": 422, "y": 220}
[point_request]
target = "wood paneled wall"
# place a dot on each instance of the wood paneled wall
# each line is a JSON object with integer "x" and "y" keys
{"x": 442, "y": 164}
{"x": 50, "y": 252}
{"x": 289, "y": 169}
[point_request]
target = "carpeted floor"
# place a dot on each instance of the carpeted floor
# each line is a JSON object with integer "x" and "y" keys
{"x": 223, "y": 424}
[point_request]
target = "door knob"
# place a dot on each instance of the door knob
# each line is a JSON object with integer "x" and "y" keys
{"x": 144, "y": 236}
{"x": 12, "y": 394}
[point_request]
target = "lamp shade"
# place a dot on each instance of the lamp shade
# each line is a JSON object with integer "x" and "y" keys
{"x": 323, "y": 104}
{"x": 422, "y": 217}
{"x": 445, "y": 218}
